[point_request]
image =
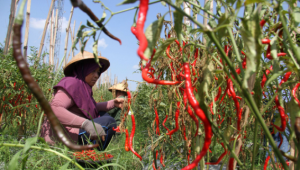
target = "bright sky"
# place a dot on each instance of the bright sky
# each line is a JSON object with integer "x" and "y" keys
{"x": 123, "y": 58}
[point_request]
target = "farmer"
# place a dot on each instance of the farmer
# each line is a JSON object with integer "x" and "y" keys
{"x": 74, "y": 105}
{"x": 119, "y": 91}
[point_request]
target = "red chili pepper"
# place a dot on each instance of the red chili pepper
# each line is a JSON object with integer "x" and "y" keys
{"x": 116, "y": 129}
{"x": 294, "y": 93}
{"x": 127, "y": 141}
{"x": 129, "y": 101}
{"x": 195, "y": 105}
{"x": 162, "y": 159}
{"x": 236, "y": 102}
{"x": 176, "y": 120}
{"x": 15, "y": 85}
{"x": 131, "y": 137}
{"x": 286, "y": 77}
{"x": 262, "y": 23}
{"x": 152, "y": 80}
{"x": 157, "y": 121}
{"x": 282, "y": 116}
{"x": 220, "y": 158}
{"x": 138, "y": 31}
{"x": 165, "y": 126}
{"x": 266, "y": 162}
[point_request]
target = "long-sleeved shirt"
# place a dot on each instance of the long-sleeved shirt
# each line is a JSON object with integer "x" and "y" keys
{"x": 69, "y": 116}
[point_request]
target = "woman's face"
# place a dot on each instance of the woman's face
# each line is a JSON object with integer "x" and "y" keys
{"x": 92, "y": 78}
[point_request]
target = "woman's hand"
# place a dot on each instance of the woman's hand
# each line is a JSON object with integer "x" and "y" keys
{"x": 119, "y": 102}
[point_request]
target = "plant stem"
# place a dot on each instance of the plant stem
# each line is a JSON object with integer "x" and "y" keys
{"x": 125, "y": 10}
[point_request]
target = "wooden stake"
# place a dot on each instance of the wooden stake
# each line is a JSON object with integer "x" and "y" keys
{"x": 26, "y": 30}
{"x": 67, "y": 37}
{"x": 54, "y": 37}
{"x": 51, "y": 39}
{"x": 73, "y": 36}
{"x": 10, "y": 24}
{"x": 45, "y": 29}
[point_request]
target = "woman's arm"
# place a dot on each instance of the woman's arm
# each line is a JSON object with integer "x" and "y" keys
{"x": 105, "y": 106}
{"x": 61, "y": 102}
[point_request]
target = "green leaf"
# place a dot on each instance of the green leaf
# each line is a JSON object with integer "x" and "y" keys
{"x": 95, "y": 51}
{"x": 29, "y": 142}
{"x": 24, "y": 160}
{"x": 103, "y": 17}
{"x": 89, "y": 24}
{"x": 65, "y": 166}
{"x": 152, "y": 33}
{"x": 78, "y": 36}
{"x": 162, "y": 48}
{"x": 193, "y": 31}
{"x": 13, "y": 164}
{"x": 249, "y": 42}
{"x": 273, "y": 77}
{"x": 178, "y": 24}
{"x": 127, "y": 2}
{"x": 247, "y": 2}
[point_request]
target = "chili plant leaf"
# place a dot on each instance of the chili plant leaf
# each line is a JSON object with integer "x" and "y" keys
{"x": 103, "y": 17}
{"x": 95, "y": 51}
{"x": 78, "y": 36}
{"x": 65, "y": 166}
{"x": 29, "y": 142}
{"x": 152, "y": 34}
{"x": 273, "y": 77}
{"x": 162, "y": 48}
{"x": 248, "y": 2}
{"x": 207, "y": 5}
{"x": 178, "y": 24}
{"x": 127, "y": 2}
{"x": 13, "y": 164}
{"x": 88, "y": 23}
{"x": 293, "y": 107}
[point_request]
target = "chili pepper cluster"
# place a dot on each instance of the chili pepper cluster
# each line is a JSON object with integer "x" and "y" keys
{"x": 91, "y": 155}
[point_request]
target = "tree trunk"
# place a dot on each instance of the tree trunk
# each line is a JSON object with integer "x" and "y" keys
{"x": 26, "y": 30}
{"x": 45, "y": 29}
{"x": 67, "y": 37}
{"x": 10, "y": 24}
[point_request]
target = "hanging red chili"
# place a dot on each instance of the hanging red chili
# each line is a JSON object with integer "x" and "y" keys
{"x": 190, "y": 112}
{"x": 285, "y": 77}
{"x": 152, "y": 80}
{"x": 162, "y": 159}
{"x": 165, "y": 126}
{"x": 195, "y": 105}
{"x": 131, "y": 137}
{"x": 266, "y": 162}
{"x": 157, "y": 121}
{"x": 282, "y": 116}
{"x": 138, "y": 31}
{"x": 294, "y": 93}
{"x": 176, "y": 120}
{"x": 127, "y": 148}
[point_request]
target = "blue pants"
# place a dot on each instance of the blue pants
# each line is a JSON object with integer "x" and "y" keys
{"x": 107, "y": 122}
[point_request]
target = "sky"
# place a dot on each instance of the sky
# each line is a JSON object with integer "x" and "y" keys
{"x": 123, "y": 58}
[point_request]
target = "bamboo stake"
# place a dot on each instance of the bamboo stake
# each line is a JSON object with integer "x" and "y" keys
{"x": 51, "y": 39}
{"x": 67, "y": 37}
{"x": 10, "y": 24}
{"x": 26, "y": 30}
{"x": 54, "y": 37}
{"x": 45, "y": 29}
{"x": 74, "y": 36}
{"x": 11, "y": 35}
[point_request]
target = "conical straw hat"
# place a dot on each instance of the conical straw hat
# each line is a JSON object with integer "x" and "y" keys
{"x": 68, "y": 69}
{"x": 119, "y": 87}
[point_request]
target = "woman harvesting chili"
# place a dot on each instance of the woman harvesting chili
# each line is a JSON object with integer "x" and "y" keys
{"x": 74, "y": 105}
